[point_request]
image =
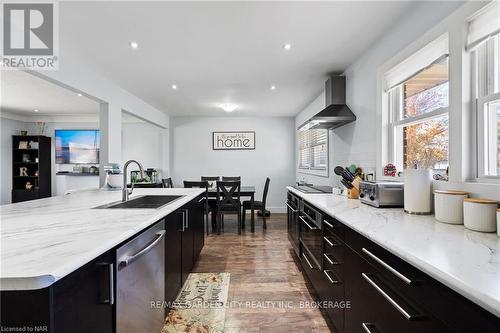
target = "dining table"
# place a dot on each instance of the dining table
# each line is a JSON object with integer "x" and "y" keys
{"x": 245, "y": 191}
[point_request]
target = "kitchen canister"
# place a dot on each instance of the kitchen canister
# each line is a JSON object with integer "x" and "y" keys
{"x": 448, "y": 206}
{"x": 480, "y": 214}
{"x": 417, "y": 191}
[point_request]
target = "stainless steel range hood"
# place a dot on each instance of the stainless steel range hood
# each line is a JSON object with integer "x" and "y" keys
{"x": 336, "y": 113}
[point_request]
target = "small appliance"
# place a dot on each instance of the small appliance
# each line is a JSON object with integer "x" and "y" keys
{"x": 382, "y": 193}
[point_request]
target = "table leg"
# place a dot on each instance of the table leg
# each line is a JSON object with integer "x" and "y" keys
{"x": 252, "y": 212}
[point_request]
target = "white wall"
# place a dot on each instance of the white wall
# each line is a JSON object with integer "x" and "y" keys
{"x": 147, "y": 144}
{"x": 273, "y": 157}
{"x": 356, "y": 142}
{"x": 8, "y": 127}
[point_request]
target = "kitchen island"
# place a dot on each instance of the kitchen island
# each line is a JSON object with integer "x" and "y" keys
{"x": 58, "y": 255}
{"x": 441, "y": 262}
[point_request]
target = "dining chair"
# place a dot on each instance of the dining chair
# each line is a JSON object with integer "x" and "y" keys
{"x": 211, "y": 180}
{"x": 258, "y": 205}
{"x": 208, "y": 208}
{"x": 167, "y": 182}
{"x": 228, "y": 202}
{"x": 231, "y": 179}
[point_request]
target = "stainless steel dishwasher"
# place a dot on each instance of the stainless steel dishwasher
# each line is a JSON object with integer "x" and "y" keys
{"x": 140, "y": 281}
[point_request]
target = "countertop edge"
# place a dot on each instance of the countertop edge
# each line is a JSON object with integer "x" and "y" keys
{"x": 480, "y": 298}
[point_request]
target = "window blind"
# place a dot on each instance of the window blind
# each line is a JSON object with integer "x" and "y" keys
{"x": 483, "y": 25}
{"x": 313, "y": 148}
{"x": 420, "y": 60}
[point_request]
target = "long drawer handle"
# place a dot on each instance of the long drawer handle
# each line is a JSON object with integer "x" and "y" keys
{"x": 201, "y": 199}
{"x": 332, "y": 262}
{"x": 130, "y": 259}
{"x": 386, "y": 266}
{"x": 292, "y": 209}
{"x": 405, "y": 313}
{"x": 332, "y": 244}
{"x": 366, "y": 328}
{"x": 332, "y": 281}
{"x": 307, "y": 260}
{"x": 328, "y": 223}
{"x": 308, "y": 225}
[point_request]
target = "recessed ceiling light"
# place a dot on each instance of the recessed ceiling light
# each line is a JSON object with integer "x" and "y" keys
{"x": 174, "y": 86}
{"x": 273, "y": 87}
{"x": 134, "y": 45}
{"x": 287, "y": 46}
{"x": 228, "y": 107}
{"x": 36, "y": 110}
{"x": 79, "y": 95}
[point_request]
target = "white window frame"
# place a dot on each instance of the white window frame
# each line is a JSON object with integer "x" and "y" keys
{"x": 392, "y": 99}
{"x": 311, "y": 170}
{"x": 485, "y": 88}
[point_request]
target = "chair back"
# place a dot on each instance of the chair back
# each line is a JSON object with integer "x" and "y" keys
{"x": 228, "y": 195}
{"x": 231, "y": 179}
{"x": 211, "y": 180}
{"x": 167, "y": 183}
{"x": 264, "y": 195}
{"x": 197, "y": 184}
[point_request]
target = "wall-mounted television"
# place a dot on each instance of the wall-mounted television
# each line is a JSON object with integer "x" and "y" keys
{"x": 77, "y": 146}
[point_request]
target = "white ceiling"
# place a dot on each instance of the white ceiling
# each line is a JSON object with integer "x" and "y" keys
{"x": 219, "y": 52}
{"x": 22, "y": 93}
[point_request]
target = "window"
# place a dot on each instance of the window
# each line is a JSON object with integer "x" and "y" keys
{"x": 313, "y": 150}
{"x": 418, "y": 113}
{"x": 484, "y": 44}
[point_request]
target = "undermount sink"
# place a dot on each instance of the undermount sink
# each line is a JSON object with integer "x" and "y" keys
{"x": 144, "y": 201}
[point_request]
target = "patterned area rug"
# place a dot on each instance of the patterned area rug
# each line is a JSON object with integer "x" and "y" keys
{"x": 200, "y": 307}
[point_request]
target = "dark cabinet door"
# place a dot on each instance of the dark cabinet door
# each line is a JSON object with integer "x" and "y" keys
{"x": 173, "y": 255}
{"x": 84, "y": 300}
{"x": 197, "y": 216}
{"x": 378, "y": 305}
{"x": 187, "y": 243}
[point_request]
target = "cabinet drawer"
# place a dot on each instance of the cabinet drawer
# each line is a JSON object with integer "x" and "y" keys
{"x": 376, "y": 306}
{"x": 404, "y": 276}
{"x": 333, "y": 226}
{"x": 333, "y": 247}
{"x": 332, "y": 295}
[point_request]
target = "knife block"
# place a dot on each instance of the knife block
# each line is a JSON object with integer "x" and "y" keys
{"x": 353, "y": 193}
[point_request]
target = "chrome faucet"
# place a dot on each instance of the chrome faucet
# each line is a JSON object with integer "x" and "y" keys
{"x": 125, "y": 191}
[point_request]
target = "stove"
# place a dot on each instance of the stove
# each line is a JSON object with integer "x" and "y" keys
{"x": 311, "y": 189}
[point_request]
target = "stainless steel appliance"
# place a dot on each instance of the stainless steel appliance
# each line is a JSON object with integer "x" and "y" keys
{"x": 310, "y": 235}
{"x": 311, "y": 189}
{"x": 382, "y": 193}
{"x": 141, "y": 280}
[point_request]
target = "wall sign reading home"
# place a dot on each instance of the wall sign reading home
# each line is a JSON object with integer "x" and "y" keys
{"x": 244, "y": 140}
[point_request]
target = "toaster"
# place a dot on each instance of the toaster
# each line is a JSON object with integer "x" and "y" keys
{"x": 382, "y": 193}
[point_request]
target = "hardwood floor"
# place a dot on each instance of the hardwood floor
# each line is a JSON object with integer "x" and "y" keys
{"x": 267, "y": 292}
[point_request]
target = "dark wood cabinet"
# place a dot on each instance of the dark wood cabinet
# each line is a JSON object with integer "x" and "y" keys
{"x": 173, "y": 255}
{"x": 81, "y": 302}
{"x": 31, "y": 167}
{"x": 187, "y": 243}
{"x": 293, "y": 222}
{"x": 382, "y": 292}
{"x": 84, "y": 300}
{"x": 197, "y": 216}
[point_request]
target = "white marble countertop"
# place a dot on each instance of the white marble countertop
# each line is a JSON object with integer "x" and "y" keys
{"x": 43, "y": 240}
{"x": 465, "y": 261}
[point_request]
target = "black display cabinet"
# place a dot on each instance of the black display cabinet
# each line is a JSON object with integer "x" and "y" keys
{"x": 31, "y": 167}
